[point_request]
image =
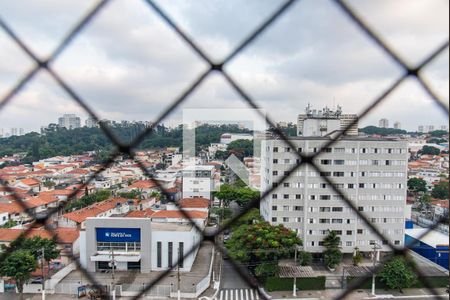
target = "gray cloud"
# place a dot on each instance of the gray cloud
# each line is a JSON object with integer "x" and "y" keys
{"x": 128, "y": 64}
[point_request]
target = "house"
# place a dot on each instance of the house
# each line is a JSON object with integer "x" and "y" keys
{"x": 66, "y": 240}
{"x": 106, "y": 208}
{"x": 29, "y": 184}
{"x": 199, "y": 204}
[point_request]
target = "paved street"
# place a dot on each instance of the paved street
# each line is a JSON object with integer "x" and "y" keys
{"x": 231, "y": 279}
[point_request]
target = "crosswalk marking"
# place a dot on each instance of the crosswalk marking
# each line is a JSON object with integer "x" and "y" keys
{"x": 237, "y": 294}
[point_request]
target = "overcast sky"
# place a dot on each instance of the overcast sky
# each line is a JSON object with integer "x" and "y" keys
{"x": 128, "y": 64}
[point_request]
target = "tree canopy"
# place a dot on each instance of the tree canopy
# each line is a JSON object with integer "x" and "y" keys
{"x": 381, "y": 131}
{"x": 19, "y": 265}
{"x": 332, "y": 254}
{"x": 429, "y": 150}
{"x": 438, "y": 133}
{"x": 242, "y": 195}
{"x": 55, "y": 140}
{"x": 240, "y": 148}
{"x": 417, "y": 185}
{"x": 398, "y": 274}
{"x": 440, "y": 190}
{"x": 262, "y": 242}
{"x": 87, "y": 200}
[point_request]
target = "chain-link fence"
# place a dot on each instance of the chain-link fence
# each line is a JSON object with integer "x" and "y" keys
{"x": 45, "y": 65}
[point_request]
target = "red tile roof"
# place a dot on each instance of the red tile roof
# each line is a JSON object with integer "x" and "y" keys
{"x": 176, "y": 214}
{"x": 64, "y": 235}
{"x": 93, "y": 210}
{"x": 140, "y": 213}
{"x": 30, "y": 181}
{"x": 142, "y": 184}
{"x": 194, "y": 203}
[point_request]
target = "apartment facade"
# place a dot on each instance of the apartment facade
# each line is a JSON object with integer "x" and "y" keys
{"x": 372, "y": 173}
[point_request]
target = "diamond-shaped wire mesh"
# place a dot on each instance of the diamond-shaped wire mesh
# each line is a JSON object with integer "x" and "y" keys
{"x": 44, "y": 65}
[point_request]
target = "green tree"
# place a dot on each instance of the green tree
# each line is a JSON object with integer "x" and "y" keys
{"x": 429, "y": 150}
{"x": 252, "y": 216}
{"x": 226, "y": 194}
{"x": 357, "y": 257}
{"x": 265, "y": 270}
{"x": 18, "y": 265}
{"x": 398, "y": 274}
{"x": 10, "y": 223}
{"x": 49, "y": 184}
{"x": 416, "y": 185}
{"x": 440, "y": 190}
{"x": 240, "y": 148}
{"x": 438, "y": 133}
{"x": 34, "y": 246}
{"x": 424, "y": 201}
{"x": 304, "y": 258}
{"x": 332, "y": 254}
{"x": 262, "y": 242}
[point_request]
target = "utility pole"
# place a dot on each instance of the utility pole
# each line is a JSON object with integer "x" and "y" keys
{"x": 294, "y": 288}
{"x": 112, "y": 264}
{"x": 178, "y": 273}
{"x": 375, "y": 247}
{"x": 43, "y": 274}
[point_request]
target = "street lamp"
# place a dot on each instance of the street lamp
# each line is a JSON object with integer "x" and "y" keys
{"x": 376, "y": 247}
{"x": 294, "y": 288}
{"x": 112, "y": 264}
{"x": 43, "y": 274}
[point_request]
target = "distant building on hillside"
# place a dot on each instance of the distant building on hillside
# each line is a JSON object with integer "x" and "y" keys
{"x": 383, "y": 123}
{"x": 69, "y": 121}
{"x": 90, "y": 122}
{"x": 227, "y": 138}
{"x": 397, "y": 125}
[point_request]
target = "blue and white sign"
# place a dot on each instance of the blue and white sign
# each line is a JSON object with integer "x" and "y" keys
{"x": 118, "y": 235}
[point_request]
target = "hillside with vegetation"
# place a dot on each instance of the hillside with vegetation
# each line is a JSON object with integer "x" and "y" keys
{"x": 60, "y": 141}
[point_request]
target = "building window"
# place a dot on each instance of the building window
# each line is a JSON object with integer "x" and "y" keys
{"x": 298, "y": 208}
{"x": 285, "y": 219}
{"x": 170, "y": 257}
{"x": 275, "y": 161}
{"x": 274, "y": 196}
{"x": 298, "y": 196}
{"x": 339, "y": 162}
{"x": 285, "y": 196}
{"x": 312, "y": 197}
{"x": 299, "y": 149}
{"x": 274, "y": 207}
{"x": 275, "y": 173}
{"x": 337, "y": 209}
{"x": 325, "y": 197}
{"x": 349, "y": 232}
{"x": 287, "y": 149}
{"x": 181, "y": 254}
{"x": 359, "y": 231}
{"x": 285, "y": 207}
{"x": 348, "y": 243}
{"x": 275, "y": 149}
{"x": 285, "y": 184}
{"x": 396, "y": 242}
{"x": 325, "y": 161}
{"x": 158, "y": 254}
{"x": 274, "y": 219}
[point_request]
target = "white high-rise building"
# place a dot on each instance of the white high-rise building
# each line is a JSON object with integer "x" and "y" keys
{"x": 326, "y": 117}
{"x": 383, "y": 123}
{"x": 69, "y": 121}
{"x": 397, "y": 125}
{"x": 370, "y": 172}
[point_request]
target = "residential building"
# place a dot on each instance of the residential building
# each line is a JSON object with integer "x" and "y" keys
{"x": 90, "y": 122}
{"x": 371, "y": 172}
{"x": 198, "y": 181}
{"x": 326, "y": 117}
{"x": 397, "y": 125}
{"x": 69, "y": 121}
{"x": 383, "y": 123}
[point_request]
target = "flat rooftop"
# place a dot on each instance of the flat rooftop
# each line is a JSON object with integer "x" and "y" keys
{"x": 433, "y": 238}
{"x": 163, "y": 226}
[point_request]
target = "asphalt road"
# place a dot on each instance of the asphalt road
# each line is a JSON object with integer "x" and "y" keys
{"x": 231, "y": 279}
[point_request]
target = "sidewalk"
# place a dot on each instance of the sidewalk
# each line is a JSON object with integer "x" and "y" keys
{"x": 358, "y": 294}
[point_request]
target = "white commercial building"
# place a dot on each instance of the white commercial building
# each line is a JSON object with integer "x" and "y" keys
{"x": 383, "y": 123}
{"x": 370, "y": 172}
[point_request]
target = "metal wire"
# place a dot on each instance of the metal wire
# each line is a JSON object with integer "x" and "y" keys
{"x": 45, "y": 65}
